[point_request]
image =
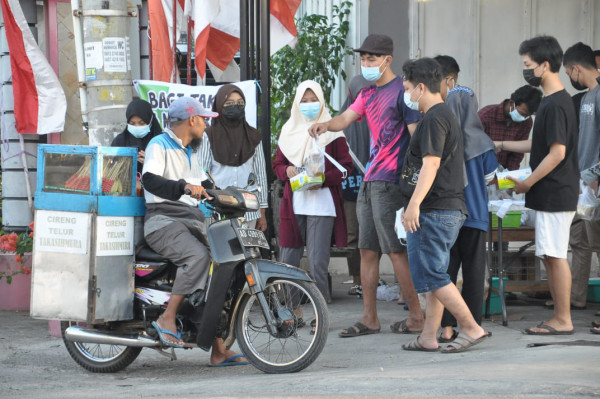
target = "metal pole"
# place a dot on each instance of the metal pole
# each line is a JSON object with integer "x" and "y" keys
{"x": 189, "y": 53}
{"x": 252, "y": 41}
{"x": 108, "y": 77}
{"x": 174, "y": 73}
{"x": 244, "y": 38}
{"x": 265, "y": 99}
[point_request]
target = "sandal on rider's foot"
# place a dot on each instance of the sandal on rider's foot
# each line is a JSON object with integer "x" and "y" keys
{"x": 300, "y": 322}
{"x": 313, "y": 326}
{"x": 595, "y": 323}
{"x": 464, "y": 342}
{"x": 358, "y": 329}
{"x": 162, "y": 331}
{"x": 231, "y": 361}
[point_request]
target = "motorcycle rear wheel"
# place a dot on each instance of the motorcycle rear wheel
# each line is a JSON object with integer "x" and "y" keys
{"x": 298, "y": 346}
{"x": 99, "y": 358}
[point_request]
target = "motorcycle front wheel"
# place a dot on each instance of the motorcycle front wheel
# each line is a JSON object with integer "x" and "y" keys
{"x": 99, "y": 358}
{"x": 303, "y": 326}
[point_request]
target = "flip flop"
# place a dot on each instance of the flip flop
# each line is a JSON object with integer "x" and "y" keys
{"x": 358, "y": 329}
{"x": 230, "y": 361}
{"x": 414, "y": 345}
{"x": 463, "y": 342}
{"x": 400, "y": 327}
{"x": 595, "y": 323}
{"x": 551, "y": 330}
{"x": 161, "y": 331}
{"x": 443, "y": 340}
{"x": 595, "y": 330}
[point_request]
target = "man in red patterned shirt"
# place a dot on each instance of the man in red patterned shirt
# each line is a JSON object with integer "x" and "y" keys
{"x": 511, "y": 120}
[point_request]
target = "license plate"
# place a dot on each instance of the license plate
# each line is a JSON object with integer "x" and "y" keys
{"x": 253, "y": 238}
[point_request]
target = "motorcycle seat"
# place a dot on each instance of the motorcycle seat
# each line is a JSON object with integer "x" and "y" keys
{"x": 146, "y": 253}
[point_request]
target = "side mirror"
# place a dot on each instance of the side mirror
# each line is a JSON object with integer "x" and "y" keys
{"x": 251, "y": 179}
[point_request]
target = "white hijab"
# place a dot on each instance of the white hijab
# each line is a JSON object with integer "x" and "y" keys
{"x": 294, "y": 140}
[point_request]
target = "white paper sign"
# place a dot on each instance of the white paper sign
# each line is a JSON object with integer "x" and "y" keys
{"x": 62, "y": 232}
{"x": 114, "y": 50}
{"x": 114, "y": 236}
{"x": 93, "y": 55}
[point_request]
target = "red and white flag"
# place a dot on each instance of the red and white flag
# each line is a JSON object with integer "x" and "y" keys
{"x": 283, "y": 27}
{"x": 160, "y": 14}
{"x": 39, "y": 100}
{"x": 217, "y": 33}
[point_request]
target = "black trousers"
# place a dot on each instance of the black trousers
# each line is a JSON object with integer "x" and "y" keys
{"x": 469, "y": 252}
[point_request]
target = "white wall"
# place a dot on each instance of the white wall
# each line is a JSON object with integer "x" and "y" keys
{"x": 484, "y": 36}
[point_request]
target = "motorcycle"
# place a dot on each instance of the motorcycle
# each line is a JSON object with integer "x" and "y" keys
{"x": 258, "y": 302}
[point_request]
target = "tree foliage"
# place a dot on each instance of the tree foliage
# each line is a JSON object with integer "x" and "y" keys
{"x": 318, "y": 55}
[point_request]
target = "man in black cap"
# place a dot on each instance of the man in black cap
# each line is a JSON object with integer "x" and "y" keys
{"x": 391, "y": 123}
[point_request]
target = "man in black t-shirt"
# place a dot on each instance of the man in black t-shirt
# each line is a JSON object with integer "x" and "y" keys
{"x": 432, "y": 182}
{"x": 552, "y": 189}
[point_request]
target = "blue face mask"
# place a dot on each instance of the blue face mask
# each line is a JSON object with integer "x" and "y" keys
{"x": 410, "y": 103}
{"x": 138, "y": 131}
{"x": 372, "y": 74}
{"x": 516, "y": 116}
{"x": 310, "y": 110}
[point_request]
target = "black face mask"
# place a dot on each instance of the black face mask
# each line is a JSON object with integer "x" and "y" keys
{"x": 577, "y": 86}
{"x": 531, "y": 78}
{"x": 234, "y": 112}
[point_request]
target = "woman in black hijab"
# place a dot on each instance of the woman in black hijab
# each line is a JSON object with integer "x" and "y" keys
{"x": 235, "y": 149}
{"x": 142, "y": 126}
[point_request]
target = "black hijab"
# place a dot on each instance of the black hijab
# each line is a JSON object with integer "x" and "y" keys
{"x": 232, "y": 142}
{"x": 142, "y": 109}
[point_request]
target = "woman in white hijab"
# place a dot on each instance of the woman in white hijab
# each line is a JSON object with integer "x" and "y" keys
{"x": 314, "y": 217}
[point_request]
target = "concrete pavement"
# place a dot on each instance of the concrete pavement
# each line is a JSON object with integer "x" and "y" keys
{"x": 34, "y": 365}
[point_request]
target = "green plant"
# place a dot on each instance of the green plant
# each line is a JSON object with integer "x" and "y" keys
{"x": 19, "y": 244}
{"x": 318, "y": 55}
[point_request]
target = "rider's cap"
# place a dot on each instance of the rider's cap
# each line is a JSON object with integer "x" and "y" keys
{"x": 186, "y": 107}
{"x": 377, "y": 44}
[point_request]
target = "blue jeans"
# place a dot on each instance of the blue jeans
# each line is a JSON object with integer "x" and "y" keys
{"x": 429, "y": 248}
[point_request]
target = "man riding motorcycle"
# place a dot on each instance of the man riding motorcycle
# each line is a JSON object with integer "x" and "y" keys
{"x": 173, "y": 225}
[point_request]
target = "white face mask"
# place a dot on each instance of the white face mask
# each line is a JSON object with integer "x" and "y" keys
{"x": 410, "y": 103}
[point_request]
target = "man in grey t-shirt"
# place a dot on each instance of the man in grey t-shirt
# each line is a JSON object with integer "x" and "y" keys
{"x": 580, "y": 66}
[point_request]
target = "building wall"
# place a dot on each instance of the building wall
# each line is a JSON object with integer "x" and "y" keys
{"x": 484, "y": 36}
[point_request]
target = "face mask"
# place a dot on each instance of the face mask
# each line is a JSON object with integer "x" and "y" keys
{"x": 576, "y": 85}
{"x": 234, "y": 112}
{"x": 516, "y": 116}
{"x": 410, "y": 103}
{"x": 372, "y": 73}
{"x": 138, "y": 131}
{"x": 310, "y": 110}
{"x": 531, "y": 78}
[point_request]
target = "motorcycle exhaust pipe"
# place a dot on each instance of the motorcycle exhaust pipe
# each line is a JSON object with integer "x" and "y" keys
{"x": 80, "y": 334}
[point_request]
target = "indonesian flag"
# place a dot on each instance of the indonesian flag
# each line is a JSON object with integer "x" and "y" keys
{"x": 217, "y": 33}
{"x": 160, "y": 14}
{"x": 40, "y": 102}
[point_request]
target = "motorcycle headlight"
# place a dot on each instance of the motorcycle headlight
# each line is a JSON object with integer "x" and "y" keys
{"x": 251, "y": 201}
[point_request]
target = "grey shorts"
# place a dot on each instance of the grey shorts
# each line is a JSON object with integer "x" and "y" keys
{"x": 181, "y": 243}
{"x": 376, "y": 208}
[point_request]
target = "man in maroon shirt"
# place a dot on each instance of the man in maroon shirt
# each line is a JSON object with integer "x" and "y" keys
{"x": 511, "y": 120}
